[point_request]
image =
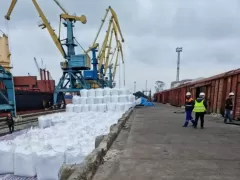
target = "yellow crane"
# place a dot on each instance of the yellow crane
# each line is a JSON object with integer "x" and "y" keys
{"x": 72, "y": 79}
{"x": 46, "y": 24}
{"x": 115, "y": 64}
{"x": 113, "y": 28}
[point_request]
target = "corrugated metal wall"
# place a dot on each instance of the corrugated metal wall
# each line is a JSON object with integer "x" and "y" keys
{"x": 216, "y": 89}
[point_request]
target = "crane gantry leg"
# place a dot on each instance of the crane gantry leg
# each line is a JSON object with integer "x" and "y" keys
{"x": 7, "y": 80}
{"x": 72, "y": 79}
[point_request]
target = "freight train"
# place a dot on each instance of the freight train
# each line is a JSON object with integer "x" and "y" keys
{"x": 216, "y": 89}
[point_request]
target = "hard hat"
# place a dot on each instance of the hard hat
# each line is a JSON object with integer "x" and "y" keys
{"x": 188, "y": 94}
{"x": 231, "y": 94}
{"x": 202, "y": 94}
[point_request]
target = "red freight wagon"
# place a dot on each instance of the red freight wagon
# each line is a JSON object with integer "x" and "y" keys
{"x": 216, "y": 89}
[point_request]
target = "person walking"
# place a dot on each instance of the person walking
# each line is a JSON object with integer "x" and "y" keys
{"x": 10, "y": 123}
{"x": 188, "y": 109}
{"x": 200, "y": 107}
{"x": 228, "y": 108}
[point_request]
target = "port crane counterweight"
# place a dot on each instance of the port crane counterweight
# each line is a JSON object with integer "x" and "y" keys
{"x": 72, "y": 79}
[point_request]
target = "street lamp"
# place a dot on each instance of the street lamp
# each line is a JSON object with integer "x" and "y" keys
{"x": 178, "y": 50}
{"x": 134, "y": 86}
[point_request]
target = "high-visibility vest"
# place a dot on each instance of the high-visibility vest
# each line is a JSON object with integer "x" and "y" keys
{"x": 199, "y": 106}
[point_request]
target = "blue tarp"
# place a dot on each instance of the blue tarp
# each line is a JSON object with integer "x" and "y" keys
{"x": 145, "y": 102}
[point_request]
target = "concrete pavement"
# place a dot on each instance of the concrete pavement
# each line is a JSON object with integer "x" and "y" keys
{"x": 155, "y": 146}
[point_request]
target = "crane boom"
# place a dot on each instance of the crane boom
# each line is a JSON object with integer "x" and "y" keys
{"x": 113, "y": 18}
{"x": 44, "y": 25}
{"x": 60, "y": 6}
{"x": 119, "y": 50}
{"x": 13, "y": 3}
{"x": 114, "y": 15}
{"x": 115, "y": 65}
{"x": 50, "y": 29}
{"x": 103, "y": 20}
{"x": 108, "y": 53}
{"x": 36, "y": 63}
{"x": 101, "y": 54}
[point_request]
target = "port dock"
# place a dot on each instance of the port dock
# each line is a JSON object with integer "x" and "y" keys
{"x": 154, "y": 145}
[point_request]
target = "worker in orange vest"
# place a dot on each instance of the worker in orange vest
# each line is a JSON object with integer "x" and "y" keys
{"x": 188, "y": 109}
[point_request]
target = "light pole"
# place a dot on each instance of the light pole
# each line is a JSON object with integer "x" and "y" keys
{"x": 178, "y": 50}
{"x": 134, "y": 86}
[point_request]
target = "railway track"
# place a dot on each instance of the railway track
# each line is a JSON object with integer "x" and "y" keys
{"x": 27, "y": 120}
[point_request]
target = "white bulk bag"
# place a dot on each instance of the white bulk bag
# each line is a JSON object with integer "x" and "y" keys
{"x": 114, "y": 99}
{"x": 99, "y": 92}
{"x": 93, "y": 107}
{"x": 91, "y": 93}
{"x": 77, "y": 108}
{"x": 44, "y": 121}
{"x": 91, "y": 100}
{"x": 56, "y": 120}
{"x": 138, "y": 101}
{"x": 48, "y": 164}
{"x": 120, "y": 107}
{"x": 84, "y": 93}
{"x": 123, "y": 98}
{"x": 106, "y": 91}
{"x": 128, "y": 106}
{"x": 24, "y": 162}
{"x": 85, "y": 108}
{"x": 114, "y": 91}
{"x": 111, "y": 106}
{"x": 69, "y": 107}
{"x": 131, "y": 98}
{"x": 82, "y": 100}
{"x": 102, "y": 107}
{"x": 123, "y": 91}
{"x": 6, "y": 157}
{"x": 106, "y": 99}
{"x": 99, "y": 100}
{"x": 74, "y": 156}
{"x": 75, "y": 99}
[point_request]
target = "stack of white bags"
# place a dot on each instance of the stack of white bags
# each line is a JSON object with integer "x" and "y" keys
{"x": 102, "y": 100}
{"x": 64, "y": 138}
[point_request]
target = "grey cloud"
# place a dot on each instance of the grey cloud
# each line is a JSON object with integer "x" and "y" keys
{"x": 207, "y": 30}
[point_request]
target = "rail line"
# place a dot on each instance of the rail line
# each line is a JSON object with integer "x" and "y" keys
{"x": 27, "y": 121}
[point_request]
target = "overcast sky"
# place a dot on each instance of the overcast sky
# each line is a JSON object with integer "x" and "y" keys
{"x": 208, "y": 31}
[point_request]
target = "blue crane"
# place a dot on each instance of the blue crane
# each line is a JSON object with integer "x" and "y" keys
{"x": 72, "y": 79}
{"x": 6, "y": 78}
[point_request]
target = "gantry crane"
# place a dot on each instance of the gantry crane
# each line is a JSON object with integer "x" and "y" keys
{"x": 6, "y": 78}
{"x": 72, "y": 79}
{"x": 38, "y": 68}
{"x": 114, "y": 65}
{"x": 101, "y": 61}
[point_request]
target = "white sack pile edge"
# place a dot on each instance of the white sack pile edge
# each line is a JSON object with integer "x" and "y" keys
{"x": 66, "y": 137}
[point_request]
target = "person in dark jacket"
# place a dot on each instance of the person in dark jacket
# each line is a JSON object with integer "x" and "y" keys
{"x": 10, "y": 123}
{"x": 228, "y": 108}
{"x": 188, "y": 109}
{"x": 200, "y": 108}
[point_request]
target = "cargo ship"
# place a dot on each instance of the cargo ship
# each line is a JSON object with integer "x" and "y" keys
{"x": 31, "y": 94}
